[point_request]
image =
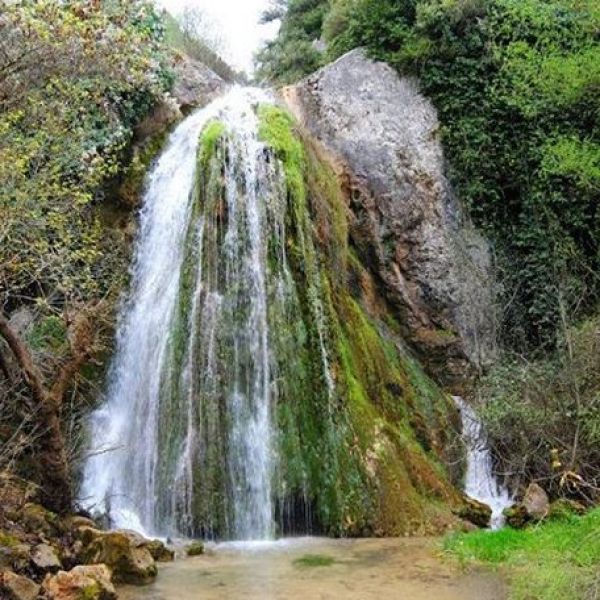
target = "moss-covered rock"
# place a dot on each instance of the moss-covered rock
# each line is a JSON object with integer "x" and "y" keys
{"x": 129, "y": 562}
{"x": 159, "y": 552}
{"x": 516, "y": 516}
{"x": 564, "y": 509}
{"x": 36, "y": 519}
{"x": 195, "y": 549}
{"x": 475, "y": 512}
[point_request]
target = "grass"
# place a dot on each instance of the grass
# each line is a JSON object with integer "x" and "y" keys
{"x": 314, "y": 560}
{"x": 559, "y": 559}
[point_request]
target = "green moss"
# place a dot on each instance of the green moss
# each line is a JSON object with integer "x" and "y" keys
{"x": 91, "y": 592}
{"x": 354, "y": 452}
{"x": 7, "y": 540}
{"x": 134, "y": 175}
{"x": 314, "y": 560}
{"x": 209, "y": 138}
{"x": 50, "y": 333}
{"x": 276, "y": 128}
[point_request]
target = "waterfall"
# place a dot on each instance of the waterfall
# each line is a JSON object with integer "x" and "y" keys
{"x": 184, "y": 442}
{"x": 480, "y": 482}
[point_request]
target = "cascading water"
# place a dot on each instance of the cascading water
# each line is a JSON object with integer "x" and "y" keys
{"x": 185, "y": 443}
{"x": 480, "y": 482}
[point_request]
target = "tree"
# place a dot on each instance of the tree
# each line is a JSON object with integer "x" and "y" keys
{"x": 46, "y": 404}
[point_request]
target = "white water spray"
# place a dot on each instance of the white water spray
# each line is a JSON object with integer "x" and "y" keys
{"x": 480, "y": 482}
{"x": 128, "y": 470}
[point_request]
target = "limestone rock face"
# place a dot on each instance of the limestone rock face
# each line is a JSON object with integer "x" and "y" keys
{"x": 381, "y": 136}
{"x": 16, "y": 587}
{"x": 195, "y": 84}
{"x": 92, "y": 582}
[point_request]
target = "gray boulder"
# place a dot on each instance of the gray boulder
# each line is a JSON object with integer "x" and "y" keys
{"x": 195, "y": 84}
{"x": 381, "y": 136}
{"x": 536, "y": 502}
{"x": 45, "y": 558}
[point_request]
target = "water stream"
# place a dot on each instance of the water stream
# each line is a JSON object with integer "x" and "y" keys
{"x": 480, "y": 481}
{"x": 186, "y": 425}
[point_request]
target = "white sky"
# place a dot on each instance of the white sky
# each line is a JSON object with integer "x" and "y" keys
{"x": 238, "y": 24}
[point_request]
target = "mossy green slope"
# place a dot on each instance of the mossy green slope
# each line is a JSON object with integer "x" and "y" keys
{"x": 361, "y": 432}
{"x": 372, "y": 462}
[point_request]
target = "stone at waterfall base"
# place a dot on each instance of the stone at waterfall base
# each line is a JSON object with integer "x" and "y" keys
{"x": 195, "y": 549}
{"x": 130, "y": 561}
{"x": 475, "y": 512}
{"x": 92, "y": 582}
{"x": 534, "y": 508}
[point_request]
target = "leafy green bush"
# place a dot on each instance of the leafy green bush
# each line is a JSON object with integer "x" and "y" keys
{"x": 75, "y": 79}
{"x": 543, "y": 416}
{"x": 293, "y": 54}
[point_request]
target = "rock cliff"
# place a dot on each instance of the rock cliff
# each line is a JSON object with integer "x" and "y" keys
{"x": 382, "y": 137}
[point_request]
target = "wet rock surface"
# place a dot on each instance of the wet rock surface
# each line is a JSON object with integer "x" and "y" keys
{"x": 478, "y": 513}
{"x": 534, "y": 507}
{"x": 130, "y": 561}
{"x": 382, "y": 138}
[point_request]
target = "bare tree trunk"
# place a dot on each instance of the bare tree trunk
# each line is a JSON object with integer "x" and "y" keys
{"x": 50, "y": 446}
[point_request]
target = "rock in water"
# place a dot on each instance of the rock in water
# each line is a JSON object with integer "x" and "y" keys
{"x": 536, "y": 502}
{"x": 382, "y": 138}
{"x": 92, "y": 582}
{"x": 130, "y": 562}
{"x": 195, "y": 549}
{"x": 16, "y": 587}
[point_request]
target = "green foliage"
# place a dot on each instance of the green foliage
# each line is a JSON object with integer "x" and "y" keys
{"x": 293, "y": 54}
{"x": 543, "y": 416}
{"x": 314, "y": 560}
{"x": 516, "y": 84}
{"x": 556, "y": 560}
{"x": 75, "y": 79}
{"x": 49, "y": 333}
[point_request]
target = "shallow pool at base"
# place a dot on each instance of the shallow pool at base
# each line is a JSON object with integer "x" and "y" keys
{"x": 382, "y": 569}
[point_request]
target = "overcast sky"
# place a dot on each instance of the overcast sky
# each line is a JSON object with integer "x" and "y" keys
{"x": 238, "y": 22}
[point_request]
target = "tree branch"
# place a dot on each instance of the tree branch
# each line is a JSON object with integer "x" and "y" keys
{"x": 33, "y": 377}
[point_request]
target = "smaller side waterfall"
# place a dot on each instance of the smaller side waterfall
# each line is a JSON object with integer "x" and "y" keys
{"x": 480, "y": 482}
